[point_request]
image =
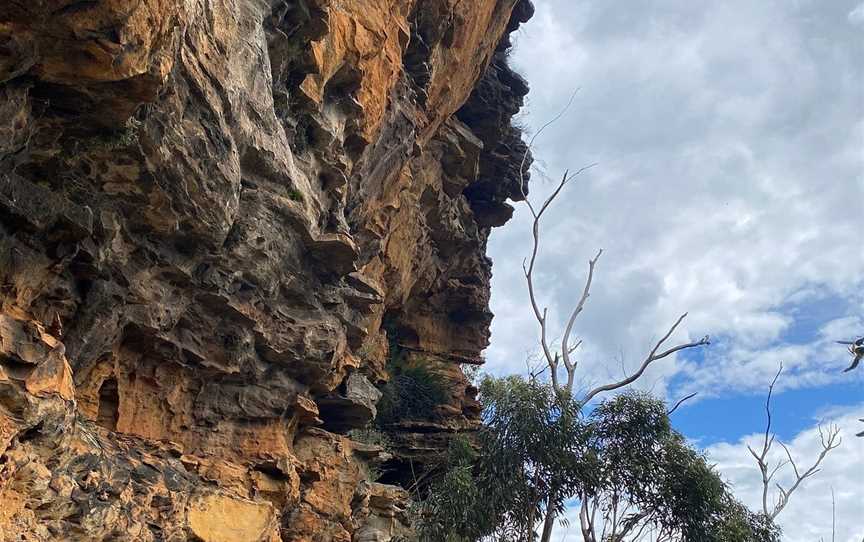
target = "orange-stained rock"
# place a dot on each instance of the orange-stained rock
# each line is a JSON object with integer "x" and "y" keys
{"x": 37, "y": 358}
{"x": 52, "y": 376}
{"x": 22, "y": 340}
{"x": 360, "y": 57}
{"x": 116, "y": 54}
{"x": 221, "y": 518}
{"x": 219, "y": 220}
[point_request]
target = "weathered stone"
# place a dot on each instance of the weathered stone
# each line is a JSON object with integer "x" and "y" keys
{"x": 21, "y": 341}
{"x": 221, "y": 518}
{"x": 218, "y": 222}
{"x": 352, "y": 409}
{"x": 53, "y": 375}
{"x": 40, "y": 208}
{"x": 384, "y": 513}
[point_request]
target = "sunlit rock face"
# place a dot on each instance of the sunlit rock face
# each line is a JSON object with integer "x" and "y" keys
{"x": 218, "y": 220}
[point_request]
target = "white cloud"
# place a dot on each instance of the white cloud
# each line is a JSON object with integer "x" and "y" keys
{"x": 729, "y": 139}
{"x": 856, "y": 16}
{"x": 749, "y": 368}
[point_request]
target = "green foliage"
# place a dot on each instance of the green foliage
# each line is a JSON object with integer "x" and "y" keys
{"x": 451, "y": 512}
{"x": 370, "y": 435}
{"x": 413, "y": 391}
{"x": 113, "y": 140}
{"x": 373, "y": 437}
{"x": 627, "y": 437}
{"x": 295, "y": 195}
{"x": 120, "y": 139}
{"x": 129, "y": 135}
{"x": 643, "y": 463}
{"x": 534, "y": 448}
{"x": 471, "y": 372}
{"x": 736, "y": 523}
{"x": 536, "y": 452}
{"x": 529, "y": 456}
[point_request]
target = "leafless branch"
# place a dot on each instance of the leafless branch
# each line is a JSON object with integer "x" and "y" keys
{"x": 680, "y": 402}
{"x": 761, "y": 458}
{"x": 566, "y": 350}
{"x": 651, "y": 358}
{"x": 552, "y": 121}
{"x": 552, "y": 359}
{"x": 535, "y": 367}
{"x": 830, "y": 439}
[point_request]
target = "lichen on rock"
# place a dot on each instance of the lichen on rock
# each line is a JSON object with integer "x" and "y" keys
{"x": 218, "y": 219}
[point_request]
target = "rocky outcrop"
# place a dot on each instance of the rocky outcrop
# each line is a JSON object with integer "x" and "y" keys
{"x": 218, "y": 219}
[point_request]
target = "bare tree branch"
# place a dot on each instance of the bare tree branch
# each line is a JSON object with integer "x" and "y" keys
{"x": 766, "y": 447}
{"x": 552, "y": 121}
{"x": 680, "y": 402}
{"x": 830, "y": 440}
{"x": 552, "y": 359}
{"x": 565, "y": 340}
{"x": 563, "y": 356}
{"x": 651, "y": 358}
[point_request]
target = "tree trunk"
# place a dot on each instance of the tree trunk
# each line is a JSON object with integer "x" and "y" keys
{"x": 549, "y": 522}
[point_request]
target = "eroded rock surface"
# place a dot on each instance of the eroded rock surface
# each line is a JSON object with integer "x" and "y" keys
{"x": 218, "y": 218}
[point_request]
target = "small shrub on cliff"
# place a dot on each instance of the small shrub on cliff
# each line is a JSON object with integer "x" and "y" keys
{"x": 370, "y": 435}
{"x": 119, "y": 139}
{"x": 295, "y": 195}
{"x": 412, "y": 393}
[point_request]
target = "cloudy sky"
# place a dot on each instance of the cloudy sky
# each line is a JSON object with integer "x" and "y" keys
{"x": 729, "y": 138}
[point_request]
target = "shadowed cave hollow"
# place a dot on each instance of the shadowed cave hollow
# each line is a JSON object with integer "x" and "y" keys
{"x": 109, "y": 405}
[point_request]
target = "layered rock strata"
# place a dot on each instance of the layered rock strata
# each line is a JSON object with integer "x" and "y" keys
{"x": 218, "y": 219}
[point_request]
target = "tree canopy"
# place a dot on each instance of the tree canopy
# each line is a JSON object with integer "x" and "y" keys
{"x": 631, "y": 473}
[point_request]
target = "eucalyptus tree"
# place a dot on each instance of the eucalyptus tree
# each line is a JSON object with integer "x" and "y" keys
{"x": 496, "y": 487}
{"x": 650, "y": 484}
{"x": 542, "y": 448}
{"x": 561, "y": 359}
{"x": 635, "y": 477}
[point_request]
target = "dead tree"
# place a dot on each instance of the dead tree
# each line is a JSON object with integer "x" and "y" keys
{"x": 830, "y": 439}
{"x": 555, "y": 358}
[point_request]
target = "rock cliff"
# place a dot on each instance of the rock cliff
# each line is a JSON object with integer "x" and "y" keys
{"x": 219, "y": 220}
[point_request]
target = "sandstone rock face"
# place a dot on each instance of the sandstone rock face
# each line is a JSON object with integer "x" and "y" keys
{"x": 218, "y": 218}
{"x": 217, "y": 518}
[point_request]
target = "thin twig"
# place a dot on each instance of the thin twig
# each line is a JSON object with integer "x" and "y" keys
{"x": 552, "y": 121}
{"x": 829, "y": 438}
{"x": 680, "y": 402}
{"x": 651, "y": 358}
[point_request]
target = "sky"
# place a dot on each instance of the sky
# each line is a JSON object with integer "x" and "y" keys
{"x": 729, "y": 142}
